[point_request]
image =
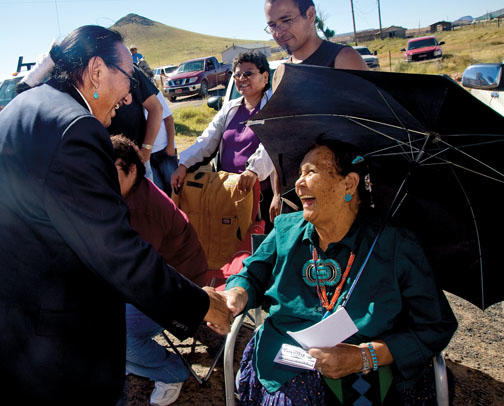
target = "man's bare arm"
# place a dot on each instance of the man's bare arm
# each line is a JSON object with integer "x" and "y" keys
{"x": 154, "y": 116}
{"x": 349, "y": 58}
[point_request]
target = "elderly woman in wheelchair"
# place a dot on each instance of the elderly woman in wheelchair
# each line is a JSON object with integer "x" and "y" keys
{"x": 402, "y": 317}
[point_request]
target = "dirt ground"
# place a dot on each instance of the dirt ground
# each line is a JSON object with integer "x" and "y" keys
{"x": 475, "y": 356}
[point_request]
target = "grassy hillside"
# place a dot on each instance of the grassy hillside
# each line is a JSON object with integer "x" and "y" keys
{"x": 161, "y": 44}
{"x": 464, "y": 46}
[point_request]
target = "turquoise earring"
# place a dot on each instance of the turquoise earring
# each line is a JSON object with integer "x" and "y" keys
{"x": 348, "y": 197}
{"x": 95, "y": 95}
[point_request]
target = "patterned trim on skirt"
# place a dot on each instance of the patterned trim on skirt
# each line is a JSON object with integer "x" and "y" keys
{"x": 307, "y": 388}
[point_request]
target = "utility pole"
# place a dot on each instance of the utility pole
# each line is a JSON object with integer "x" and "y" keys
{"x": 353, "y": 19}
{"x": 379, "y": 19}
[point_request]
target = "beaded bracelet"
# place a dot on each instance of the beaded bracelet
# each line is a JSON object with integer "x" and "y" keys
{"x": 373, "y": 356}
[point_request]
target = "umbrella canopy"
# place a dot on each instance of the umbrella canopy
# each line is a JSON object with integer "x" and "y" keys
{"x": 435, "y": 154}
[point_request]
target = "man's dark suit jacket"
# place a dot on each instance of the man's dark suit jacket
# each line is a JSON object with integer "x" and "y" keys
{"x": 69, "y": 259}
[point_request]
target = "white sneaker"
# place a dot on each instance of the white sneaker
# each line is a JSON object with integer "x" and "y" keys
{"x": 165, "y": 393}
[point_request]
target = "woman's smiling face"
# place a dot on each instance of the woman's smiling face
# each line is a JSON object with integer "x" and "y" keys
{"x": 320, "y": 186}
{"x": 250, "y": 86}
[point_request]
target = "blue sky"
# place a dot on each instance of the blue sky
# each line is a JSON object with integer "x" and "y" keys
{"x": 27, "y": 27}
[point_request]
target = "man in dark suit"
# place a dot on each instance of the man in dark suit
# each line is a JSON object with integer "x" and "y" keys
{"x": 69, "y": 258}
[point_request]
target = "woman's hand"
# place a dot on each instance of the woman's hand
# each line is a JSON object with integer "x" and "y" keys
{"x": 177, "y": 178}
{"x": 338, "y": 361}
{"x": 237, "y": 299}
{"x": 275, "y": 207}
{"x": 246, "y": 181}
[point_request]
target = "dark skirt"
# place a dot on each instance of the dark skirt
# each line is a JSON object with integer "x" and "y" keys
{"x": 307, "y": 388}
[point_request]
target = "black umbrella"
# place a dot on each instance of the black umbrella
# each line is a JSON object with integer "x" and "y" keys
{"x": 435, "y": 154}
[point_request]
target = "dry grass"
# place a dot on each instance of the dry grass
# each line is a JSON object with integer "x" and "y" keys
{"x": 483, "y": 42}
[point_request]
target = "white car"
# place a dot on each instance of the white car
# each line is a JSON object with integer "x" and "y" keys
{"x": 485, "y": 81}
{"x": 370, "y": 58}
{"x": 161, "y": 73}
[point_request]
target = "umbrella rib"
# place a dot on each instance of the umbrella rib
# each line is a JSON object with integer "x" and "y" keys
{"x": 477, "y": 239}
{"x": 401, "y": 143}
{"x": 397, "y": 118}
{"x": 445, "y": 162}
{"x": 378, "y": 152}
{"x": 352, "y": 118}
{"x": 470, "y": 157}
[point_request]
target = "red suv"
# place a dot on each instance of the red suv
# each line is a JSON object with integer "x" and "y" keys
{"x": 422, "y": 48}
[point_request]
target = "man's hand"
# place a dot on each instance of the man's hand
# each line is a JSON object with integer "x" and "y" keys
{"x": 275, "y": 207}
{"x": 246, "y": 181}
{"x": 218, "y": 317}
{"x": 237, "y": 299}
{"x": 170, "y": 150}
{"x": 177, "y": 178}
{"x": 144, "y": 155}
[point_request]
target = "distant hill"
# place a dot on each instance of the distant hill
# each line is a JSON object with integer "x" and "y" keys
{"x": 463, "y": 21}
{"x": 493, "y": 14}
{"x": 161, "y": 44}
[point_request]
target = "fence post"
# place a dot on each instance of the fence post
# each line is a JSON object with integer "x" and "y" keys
{"x": 390, "y": 60}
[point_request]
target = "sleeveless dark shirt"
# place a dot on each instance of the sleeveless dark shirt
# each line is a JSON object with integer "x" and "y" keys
{"x": 324, "y": 55}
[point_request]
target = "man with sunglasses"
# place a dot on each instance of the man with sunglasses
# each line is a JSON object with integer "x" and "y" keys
{"x": 130, "y": 120}
{"x": 292, "y": 25}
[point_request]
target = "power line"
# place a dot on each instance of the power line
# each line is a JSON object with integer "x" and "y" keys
{"x": 353, "y": 19}
{"x": 379, "y": 20}
{"x": 57, "y": 17}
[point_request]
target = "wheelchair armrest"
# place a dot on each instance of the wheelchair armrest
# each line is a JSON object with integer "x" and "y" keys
{"x": 441, "y": 378}
{"x": 228, "y": 359}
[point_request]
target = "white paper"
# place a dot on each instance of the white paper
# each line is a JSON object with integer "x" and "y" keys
{"x": 328, "y": 332}
{"x": 294, "y": 356}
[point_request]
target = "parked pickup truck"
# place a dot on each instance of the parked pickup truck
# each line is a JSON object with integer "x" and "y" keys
{"x": 370, "y": 58}
{"x": 196, "y": 76}
{"x": 422, "y": 48}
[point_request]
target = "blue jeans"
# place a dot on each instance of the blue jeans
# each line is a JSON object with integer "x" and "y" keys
{"x": 145, "y": 357}
{"x": 163, "y": 165}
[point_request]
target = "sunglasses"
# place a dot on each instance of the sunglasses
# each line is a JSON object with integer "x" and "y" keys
{"x": 132, "y": 80}
{"x": 246, "y": 74}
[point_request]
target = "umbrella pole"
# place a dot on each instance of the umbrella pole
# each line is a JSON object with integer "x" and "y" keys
{"x": 391, "y": 212}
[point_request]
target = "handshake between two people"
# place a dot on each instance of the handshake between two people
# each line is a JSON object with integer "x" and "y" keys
{"x": 224, "y": 306}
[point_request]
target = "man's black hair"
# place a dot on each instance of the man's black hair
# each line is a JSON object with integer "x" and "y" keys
{"x": 302, "y": 5}
{"x": 73, "y": 54}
